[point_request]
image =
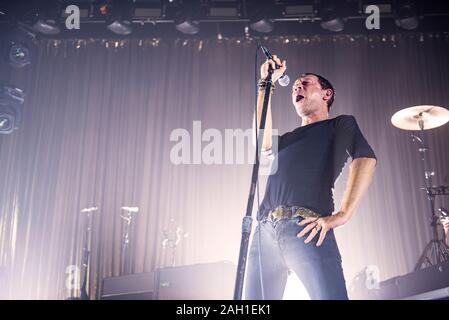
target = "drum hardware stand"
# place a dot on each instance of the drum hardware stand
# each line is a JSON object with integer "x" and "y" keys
{"x": 172, "y": 238}
{"x": 435, "y": 251}
{"x": 125, "y": 262}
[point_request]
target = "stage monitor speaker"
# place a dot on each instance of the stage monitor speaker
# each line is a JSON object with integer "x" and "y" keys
{"x": 140, "y": 286}
{"x": 431, "y": 283}
{"x": 209, "y": 281}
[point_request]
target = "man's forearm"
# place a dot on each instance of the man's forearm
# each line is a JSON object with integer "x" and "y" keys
{"x": 361, "y": 173}
{"x": 267, "y": 139}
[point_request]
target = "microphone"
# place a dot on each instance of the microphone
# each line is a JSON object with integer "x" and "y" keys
{"x": 130, "y": 209}
{"x": 444, "y": 212}
{"x": 89, "y": 209}
{"x": 284, "y": 80}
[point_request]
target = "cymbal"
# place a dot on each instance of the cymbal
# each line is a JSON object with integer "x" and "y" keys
{"x": 431, "y": 116}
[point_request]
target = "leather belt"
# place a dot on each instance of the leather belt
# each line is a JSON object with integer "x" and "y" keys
{"x": 290, "y": 212}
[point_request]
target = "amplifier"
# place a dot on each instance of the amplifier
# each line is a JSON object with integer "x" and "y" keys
{"x": 208, "y": 281}
{"x": 138, "y": 286}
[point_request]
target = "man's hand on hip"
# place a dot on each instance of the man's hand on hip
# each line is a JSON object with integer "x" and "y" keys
{"x": 321, "y": 226}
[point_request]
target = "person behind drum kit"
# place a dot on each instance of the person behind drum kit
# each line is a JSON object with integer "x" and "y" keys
{"x": 297, "y": 214}
{"x": 444, "y": 221}
{"x": 446, "y": 230}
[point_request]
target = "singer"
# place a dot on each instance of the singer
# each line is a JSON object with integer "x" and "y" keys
{"x": 297, "y": 217}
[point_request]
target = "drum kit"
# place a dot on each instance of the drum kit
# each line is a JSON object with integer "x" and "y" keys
{"x": 418, "y": 119}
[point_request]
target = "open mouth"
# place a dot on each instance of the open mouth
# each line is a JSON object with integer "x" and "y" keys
{"x": 299, "y": 97}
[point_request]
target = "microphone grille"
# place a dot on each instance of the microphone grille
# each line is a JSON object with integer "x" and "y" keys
{"x": 284, "y": 80}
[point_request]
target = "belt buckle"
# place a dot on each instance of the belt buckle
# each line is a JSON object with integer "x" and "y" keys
{"x": 277, "y": 213}
{"x": 281, "y": 212}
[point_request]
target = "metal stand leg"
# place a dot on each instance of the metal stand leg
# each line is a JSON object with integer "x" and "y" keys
{"x": 435, "y": 251}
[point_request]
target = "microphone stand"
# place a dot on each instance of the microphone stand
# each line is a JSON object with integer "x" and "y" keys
{"x": 125, "y": 263}
{"x": 247, "y": 219}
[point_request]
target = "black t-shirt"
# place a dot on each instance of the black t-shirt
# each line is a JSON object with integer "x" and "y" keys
{"x": 309, "y": 160}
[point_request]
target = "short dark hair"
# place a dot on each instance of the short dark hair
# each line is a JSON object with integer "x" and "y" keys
{"x": 325, "y": 84}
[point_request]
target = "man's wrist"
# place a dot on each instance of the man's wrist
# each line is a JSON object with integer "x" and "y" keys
{"x": 344, "y": 216}
{"x": 262, "y": 84}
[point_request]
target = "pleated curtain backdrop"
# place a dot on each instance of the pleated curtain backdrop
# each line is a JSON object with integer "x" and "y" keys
{"x": 96, "y": 132}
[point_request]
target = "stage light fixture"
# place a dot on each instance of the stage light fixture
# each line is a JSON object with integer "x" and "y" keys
{"x": 187, "y": 15}
{"x": 261, "y": 15}
{"x": 7, "y": 119}
{"x": 18, "y": 54}
{"x": 17, "y": 47}
{"x": 46, "y": 26}
{"x": 330, "y": 18}
{"x": 261, "y": 24}
{"x": 47, "y": 16}
{"x": 407, "y": 16}
{"x": 120, "y": 26}
{"x": 104, "y": 9}
{"x": 187, "y": 26}
{"x": 11, "y": 99}
{"x": 120, "y": 16}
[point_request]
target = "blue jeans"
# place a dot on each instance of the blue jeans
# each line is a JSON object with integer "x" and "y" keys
{"x": 319, "y": 268}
